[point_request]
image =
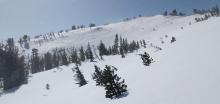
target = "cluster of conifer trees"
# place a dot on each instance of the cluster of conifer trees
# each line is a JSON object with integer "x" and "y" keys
{"x": 13, "y": 69}
{"x": 207, "y": 13}
{"x": 65, "y": 56}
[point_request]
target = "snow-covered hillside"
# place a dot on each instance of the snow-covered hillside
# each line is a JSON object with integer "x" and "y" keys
{"x": 184, "y": 72}
{"x": 149, "y": 28}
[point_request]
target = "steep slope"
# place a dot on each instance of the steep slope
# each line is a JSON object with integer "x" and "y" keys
{"x": 184, "y": 72}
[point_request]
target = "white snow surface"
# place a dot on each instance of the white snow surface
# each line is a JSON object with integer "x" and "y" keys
{"x": 184, "y": 72}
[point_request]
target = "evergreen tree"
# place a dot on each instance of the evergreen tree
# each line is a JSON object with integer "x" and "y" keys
{"x": 74, "y": 57}
{"x": 116, "y": 45}
{"x": 174, "y": 13}
{"x": 55, "y": 59}
{"x": 102, "y": 49}
{"x": 173, "y": 39}
{"x": 48, "y": 61}
{"x": 35, "y": 61}
{"x": 97, "y": 76}
{"x": 147, "y": 60}
{"x": 82, "y": 54}
{"x": 79, "y": 77}
{"x": 144, "y": 43}
{"x": 137, "y": 45}
{"x": 113, "y": 86}
{"x": 92, "y": 25}
{"x": 12, "y": 66}
{"x": 125, "y": 45}
{"x": 112, "y": 82}
{"x": 122, "y": 52}
{"x": 89, "y": 53}
{"x": 63, "y": 56}
{"x": 73, "y": 27}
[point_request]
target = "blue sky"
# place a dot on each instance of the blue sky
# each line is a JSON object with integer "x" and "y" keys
{"x": 33, "y": 17}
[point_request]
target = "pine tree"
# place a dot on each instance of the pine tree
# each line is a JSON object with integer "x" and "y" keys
{"x": 125, "y": 45}
{"x": 102, "y": 49}
{"x": 47, "y": 86}
{"x": 113, "y": 86}
{"x": 74, "y": 56}
{"x": 92, "y": 25}
{"x": 122, "y": 52}
{"x": 89, "y": 54}
{"x": 174, "y": 13}
{"x": 116, "y": 45}
{"x": 147, "y": 60}
{"x": 55, "y": 59}
{"x": 73, "y": 27}
{"x": 35, "y": 61}
{"x": 173, "y": 39}
{"x": 63, "y": 56}
{"x": 82, "y": 54}
{"x": 144, "y": 43}
{"x": 97, "y": 76}
{"x": 12, "y": 65}
{"x": 137, "y": 45}
{"x": 48, "y": 61}
{"x": 79, "y": 77}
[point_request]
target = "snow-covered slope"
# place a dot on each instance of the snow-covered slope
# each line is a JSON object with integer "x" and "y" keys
{"x": 185, "y": 72}
{"x": 148, "y": 28}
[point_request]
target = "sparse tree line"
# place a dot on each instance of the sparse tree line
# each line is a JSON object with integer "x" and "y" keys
{"x": 174, "y": 13}
{"x": 65, "y": 56}
{"x": 214, "y": 12}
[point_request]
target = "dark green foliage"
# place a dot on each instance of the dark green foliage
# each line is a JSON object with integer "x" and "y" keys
{"x": 82, "y": 54}
{"x": 97, "y": 76}
{"x": 114, "y": 87}
{"x": 144, "y": 44}
{"x": 47, "y": 86}
{"x": 55, "y": 59}
{"x": 102, "y": 49}
{"x": 206, "y": 13}
{"x": 174, "y": 13}
{"x": 125, "y": 45}
{"x": 48, "y": 61}
{"x": 122, "y": 52}
{"x": 12, "y": 66}
{"x": 116, "y": 45}
{"x": 147, "y": 60}
{"x": 92, "y": 25}
{"x": 173, "y": 39}
{"x": 74, "y": 56}
{"x": 35, "y": 62}
{"x": 79, "y": 77}
{"x": 64, "y": 58}
{"x": 73, "y": 27}
{"x": 89, "y": 54}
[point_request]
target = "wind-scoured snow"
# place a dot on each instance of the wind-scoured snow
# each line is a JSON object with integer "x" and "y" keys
{"x": 184, "y": 72}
